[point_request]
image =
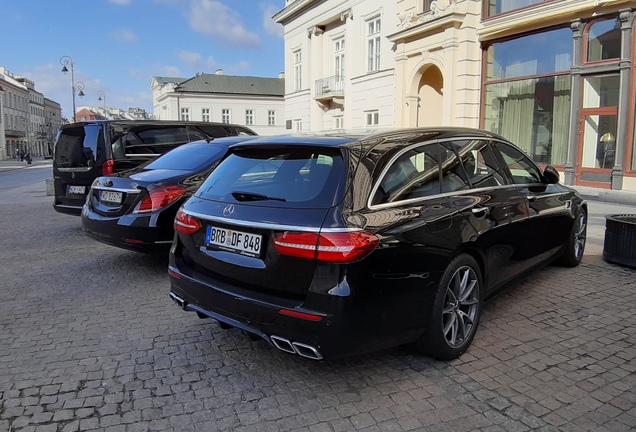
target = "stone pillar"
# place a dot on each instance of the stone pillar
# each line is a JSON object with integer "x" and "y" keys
{"x": 622, "y": 132}
{"x": 313, "y": 70}
{"x": 400, "y": 101}
{"x": 575, "y": 102}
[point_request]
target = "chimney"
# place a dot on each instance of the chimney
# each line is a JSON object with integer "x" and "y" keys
{"x": 281, "y": 75}
{"x": 219, "y": 71}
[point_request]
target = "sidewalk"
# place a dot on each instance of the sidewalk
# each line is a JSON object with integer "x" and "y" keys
{"x": 607, "y": 195}
{"x": 14, "y": 164}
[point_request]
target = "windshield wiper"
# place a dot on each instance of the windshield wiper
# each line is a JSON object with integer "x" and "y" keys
{"x": 249, "y": 196}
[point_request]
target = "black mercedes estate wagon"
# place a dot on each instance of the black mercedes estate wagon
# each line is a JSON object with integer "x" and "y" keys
{"x": 333, "y": 245}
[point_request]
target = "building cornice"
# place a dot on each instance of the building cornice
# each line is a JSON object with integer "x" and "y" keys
{"x": 295, "y": 8}
{"x": 428, "y": 23}
{"x": 542, "y": 15}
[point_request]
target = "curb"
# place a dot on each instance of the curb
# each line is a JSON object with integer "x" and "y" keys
{"x": 607, "y": 195}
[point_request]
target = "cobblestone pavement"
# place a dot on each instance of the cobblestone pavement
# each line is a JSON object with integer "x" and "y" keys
{"x": 89, "y": 340}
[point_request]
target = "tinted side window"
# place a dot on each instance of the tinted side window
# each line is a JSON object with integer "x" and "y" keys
{"x": 454, "y": 178}
{"x": 480, "y": 164}
{"x": 414, "y": 174}
{"x": 521, "y": 168}
{"x": 148, "y": 141}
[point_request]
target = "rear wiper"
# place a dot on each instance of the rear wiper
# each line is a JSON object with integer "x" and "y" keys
{"x": 249, "y": 196}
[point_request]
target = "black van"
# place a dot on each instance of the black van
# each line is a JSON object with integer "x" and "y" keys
{"x": 90, "y": 149}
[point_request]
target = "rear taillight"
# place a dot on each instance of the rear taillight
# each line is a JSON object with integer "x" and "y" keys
{"x": 108, "y": 167}
{"x": 186, "y": 224}
{"x": 159, "y": 198}
{"x": 336, "y": 247}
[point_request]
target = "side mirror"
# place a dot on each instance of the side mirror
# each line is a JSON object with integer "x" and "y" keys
{"x": 551, "y": 175}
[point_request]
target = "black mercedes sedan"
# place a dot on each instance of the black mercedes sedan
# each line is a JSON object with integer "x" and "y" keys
{"x": 135, "y": 209}
{"x": 333, "y": 245}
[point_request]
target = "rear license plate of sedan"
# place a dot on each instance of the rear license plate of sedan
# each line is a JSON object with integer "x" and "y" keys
{"x": 78, "y": 190}
{"x": 234, "y": 241}
{"x": 110, "y": 197}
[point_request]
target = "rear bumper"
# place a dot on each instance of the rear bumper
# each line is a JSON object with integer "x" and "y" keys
{"x": 74, "y": 210}
{"x": 344, "y": 327}
{"x": 131, "y": 232}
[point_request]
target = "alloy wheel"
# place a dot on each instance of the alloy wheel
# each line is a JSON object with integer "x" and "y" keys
{"x": 580, "y": 236}
{"x": 461, "y": 306}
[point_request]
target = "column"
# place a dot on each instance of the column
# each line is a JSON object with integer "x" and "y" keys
{"x": 624, "y": 107}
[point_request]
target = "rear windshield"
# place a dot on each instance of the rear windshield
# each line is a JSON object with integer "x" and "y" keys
{"x": 76, "y": 147}
{"x": 286, "y": 176}
{"x": 189, "y": 157}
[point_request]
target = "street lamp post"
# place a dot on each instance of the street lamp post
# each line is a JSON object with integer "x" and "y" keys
{"x": 67, "y": 61}
{"x": 101, "y": 96}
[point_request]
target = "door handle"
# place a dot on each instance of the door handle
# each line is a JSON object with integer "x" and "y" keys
{"x": 481, "y": 211}
{"x": 531, "y": 197}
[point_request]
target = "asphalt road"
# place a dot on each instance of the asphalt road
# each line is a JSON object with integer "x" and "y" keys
{"x": 89, "y": 341}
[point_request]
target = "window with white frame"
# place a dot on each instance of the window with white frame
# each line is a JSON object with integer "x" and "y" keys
{"x": 298, "y": 125}
{"x": 271, "y": 117}
{"x": 185, "y": 114}
{"x": 297, "y": 70}
{"x": 338, "y": 122}
{"x": 225, "y": 115}
{"x": 339, "y": 58}
{"x": 205, "y": 114}
{"x": 373, "y": 45}
{"x": 373, "y": 118}
{"x": 249, "y": 117}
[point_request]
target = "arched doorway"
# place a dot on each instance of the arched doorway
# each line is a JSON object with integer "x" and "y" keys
{"x": 430, "y": 92}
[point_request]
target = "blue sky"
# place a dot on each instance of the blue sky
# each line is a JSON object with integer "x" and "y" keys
{"x": 119, "y": 45}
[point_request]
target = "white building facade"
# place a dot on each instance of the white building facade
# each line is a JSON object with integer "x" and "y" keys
{"x": 556, "y": 77}
{"x": 255, "y": 102}
{"x": 339, "y": 64}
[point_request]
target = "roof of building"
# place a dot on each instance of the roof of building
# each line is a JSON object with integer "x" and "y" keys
{"x": 165, "y": 80}
{"x": 230, "y": 84}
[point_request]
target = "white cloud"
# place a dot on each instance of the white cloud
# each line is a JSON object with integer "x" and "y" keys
{"x": 269, "y": 24}
{"x": 240, "y": 67}
{"x": 120, "y": 2}
{"x": 191, "y": 59}
{"x": 196, "y": 62}
{"x": 139, "y": 100}
{"x": 124, "y": 35}
{"x": 223, "y": 24}
{"x": 167, "y": 71}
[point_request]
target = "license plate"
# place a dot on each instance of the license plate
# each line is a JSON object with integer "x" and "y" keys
{"x": 110, "y": 197}
{"x": 79, "y": 190}
{"x": 234, "y": 241}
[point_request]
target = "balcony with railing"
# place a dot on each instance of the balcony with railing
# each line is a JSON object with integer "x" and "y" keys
{"x": 330, "y": 92}
{"x": 14, "y": 133}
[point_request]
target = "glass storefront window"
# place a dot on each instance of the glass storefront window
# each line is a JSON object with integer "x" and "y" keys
{"x": 599, "y": 141}
{"x": 604, "y": 40}
{"x": 535, "y": 54}
{"x": 500, "y": 6}
{"x": 601, "y": 91}
{"x": 532, "y": 113}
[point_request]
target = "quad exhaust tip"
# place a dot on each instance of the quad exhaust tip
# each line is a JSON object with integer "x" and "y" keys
{"x": 178, "y": 300}
{"x": 281, "y": 343}
{"x": 301, "y": 349}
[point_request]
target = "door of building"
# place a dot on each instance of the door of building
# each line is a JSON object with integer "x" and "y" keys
{"x": 597, "y": 131}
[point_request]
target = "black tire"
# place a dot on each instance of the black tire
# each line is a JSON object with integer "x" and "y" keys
{"x": 575, "y": 247}
{"x": 455, "y": 311}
